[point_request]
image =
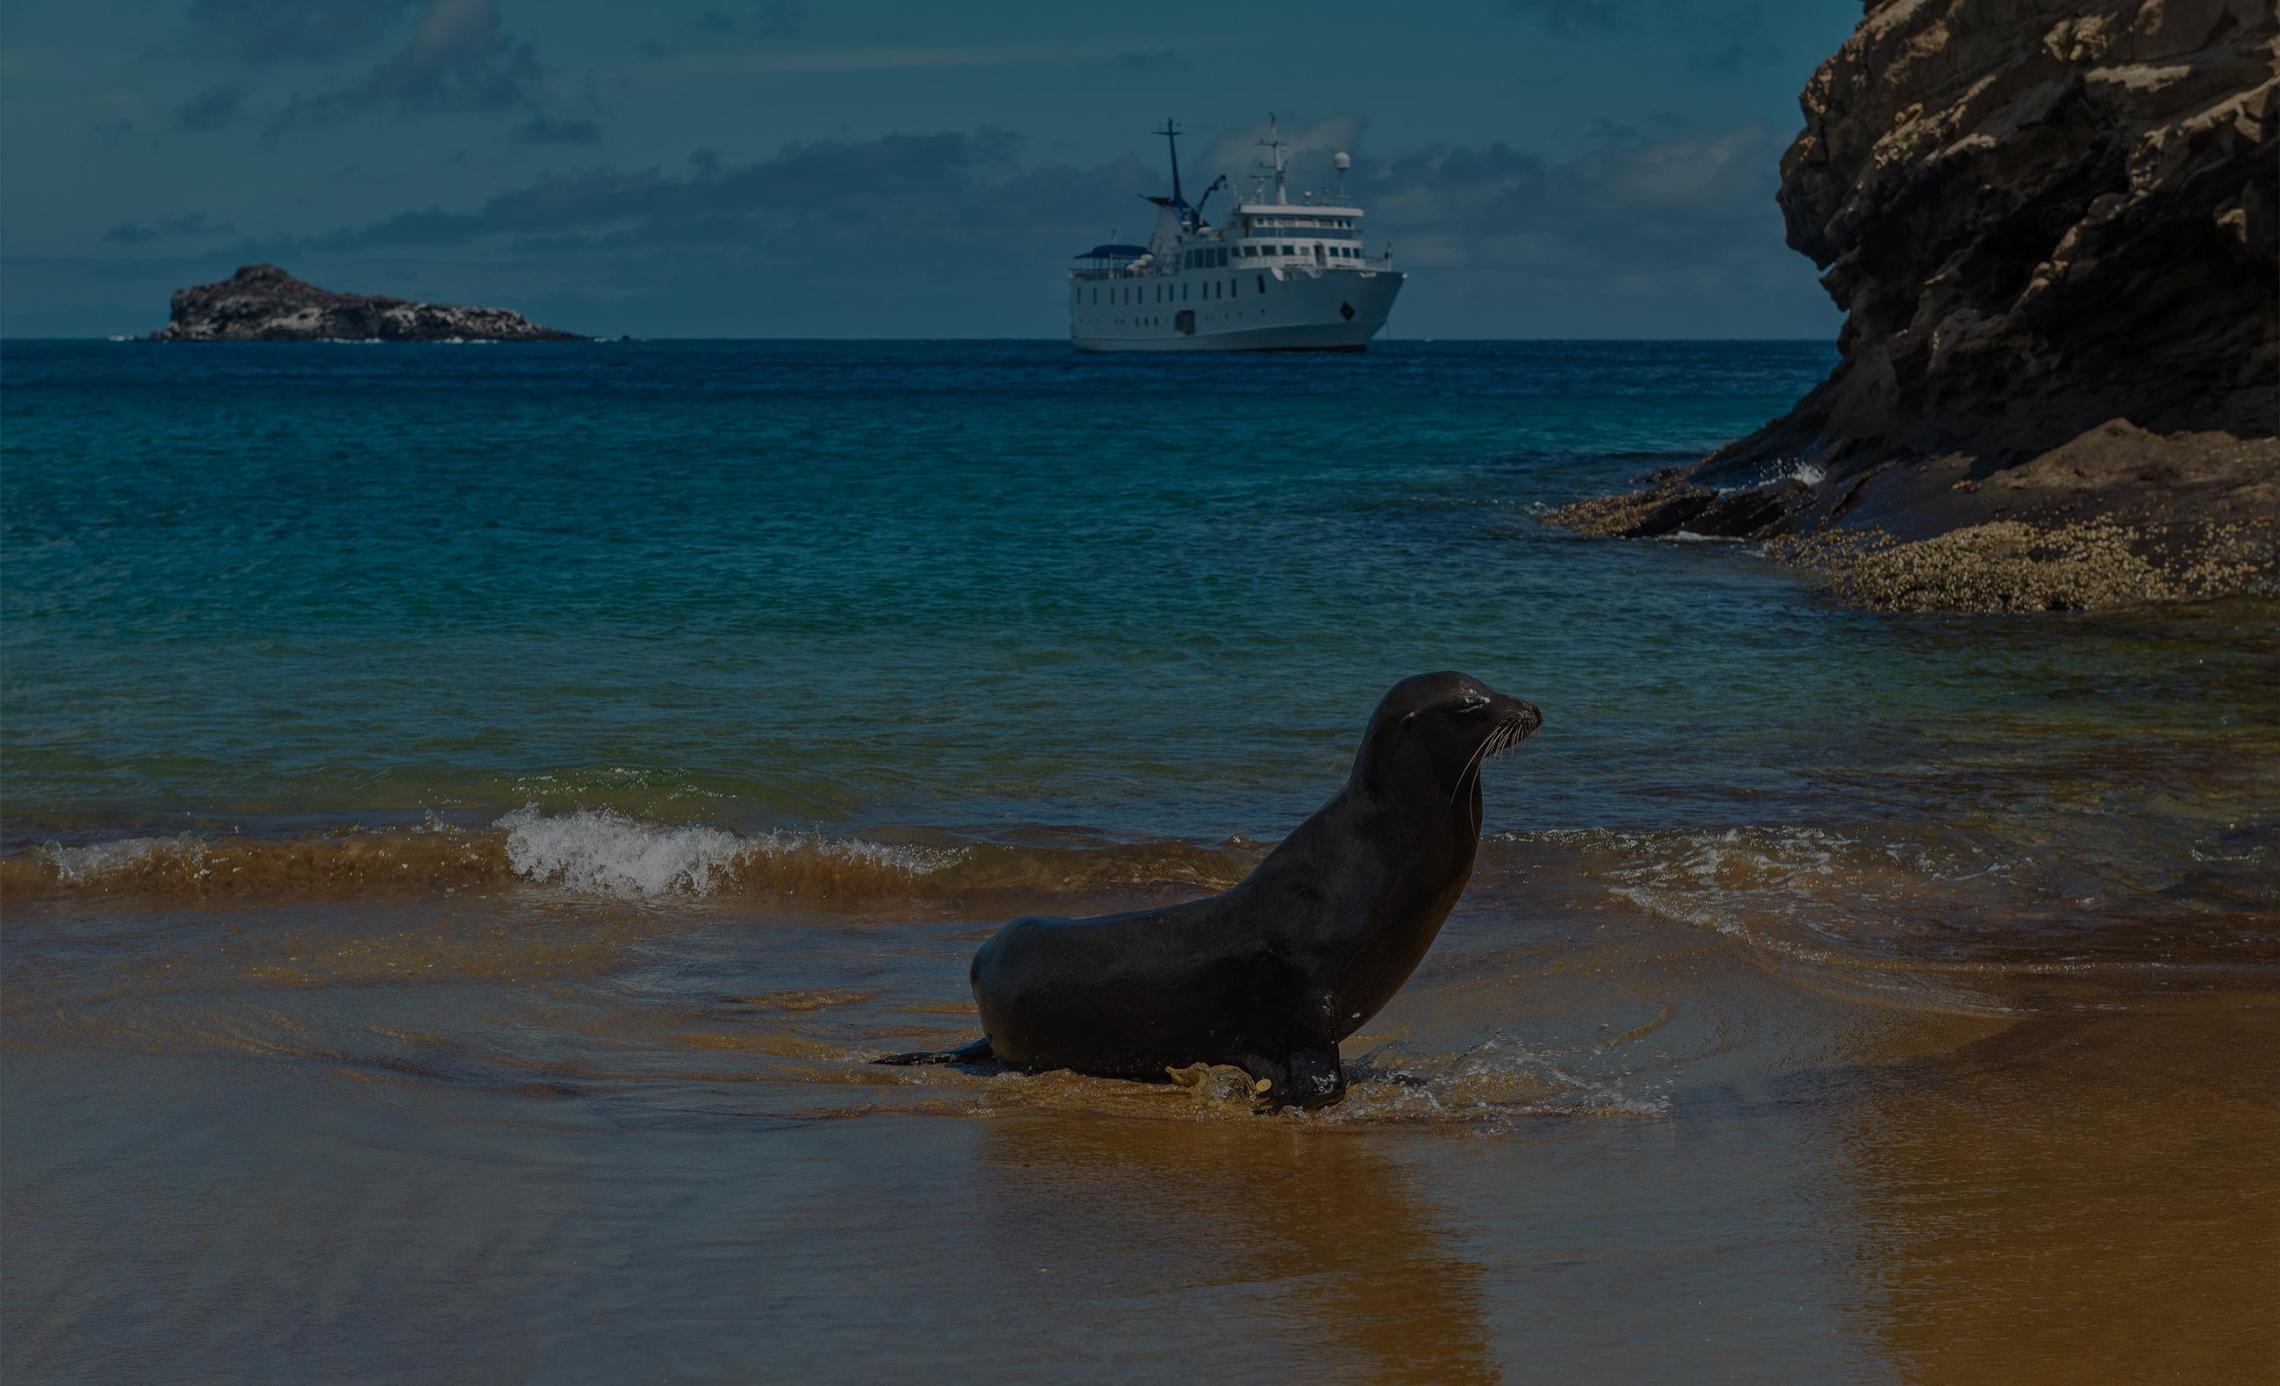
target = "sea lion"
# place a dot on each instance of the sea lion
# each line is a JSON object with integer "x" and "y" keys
{"x": 1301, "y": 953}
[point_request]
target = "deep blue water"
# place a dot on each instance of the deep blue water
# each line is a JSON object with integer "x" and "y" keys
{"x": 984, "y": 587}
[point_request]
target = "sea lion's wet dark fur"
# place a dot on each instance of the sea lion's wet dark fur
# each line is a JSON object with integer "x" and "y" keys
{"x": 1272, "y": 974}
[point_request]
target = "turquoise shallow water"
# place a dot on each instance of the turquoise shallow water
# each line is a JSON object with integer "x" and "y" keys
{"x": 973, "y": 586}
{"x": 967, "y": 584}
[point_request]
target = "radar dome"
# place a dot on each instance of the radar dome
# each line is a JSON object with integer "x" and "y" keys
{"x": 1341, "y": 161}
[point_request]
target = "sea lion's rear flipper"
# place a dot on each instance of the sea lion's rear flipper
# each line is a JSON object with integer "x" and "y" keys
{"x": 1305, "y": 1078}
{"x": 976, "y": 1053}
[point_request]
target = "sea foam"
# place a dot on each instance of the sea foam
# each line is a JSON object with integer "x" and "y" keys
{"x": 603, "y": 852}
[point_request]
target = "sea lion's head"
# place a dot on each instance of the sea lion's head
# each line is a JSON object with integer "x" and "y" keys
{"x": 1432, "y": 733}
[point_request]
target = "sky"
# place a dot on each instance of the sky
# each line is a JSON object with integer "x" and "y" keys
{"x": 888, "y": 168}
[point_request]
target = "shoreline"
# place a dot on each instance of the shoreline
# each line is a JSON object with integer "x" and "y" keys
{"x": 2115, "y": 518}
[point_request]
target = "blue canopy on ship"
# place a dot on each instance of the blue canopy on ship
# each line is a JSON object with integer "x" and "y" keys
{"x": 1113, "y": 252}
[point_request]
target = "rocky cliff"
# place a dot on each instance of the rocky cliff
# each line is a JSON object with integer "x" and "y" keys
{"x": 262, "y": 303}
{"x": 2052, "y": 227}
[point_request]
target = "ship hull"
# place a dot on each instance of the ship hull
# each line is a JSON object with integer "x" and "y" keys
{"x": 1250, "y": 310}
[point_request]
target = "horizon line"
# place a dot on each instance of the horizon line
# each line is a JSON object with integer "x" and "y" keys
{"x": 616, "y": 338}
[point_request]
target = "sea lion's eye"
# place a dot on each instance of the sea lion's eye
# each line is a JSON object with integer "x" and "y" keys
{"x": 1473, "y": 702}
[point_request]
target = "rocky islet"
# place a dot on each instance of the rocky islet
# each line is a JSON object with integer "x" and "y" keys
{"x": 263, "y": 303}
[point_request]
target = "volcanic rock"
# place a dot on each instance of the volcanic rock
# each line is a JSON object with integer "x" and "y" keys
{"x": 262, "y": 303}
{"x": 2054, "y": 227}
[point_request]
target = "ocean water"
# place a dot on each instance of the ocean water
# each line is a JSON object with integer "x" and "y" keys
{"x": 471, "y": 810}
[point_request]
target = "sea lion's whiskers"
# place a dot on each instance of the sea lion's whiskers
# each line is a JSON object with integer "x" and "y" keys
{"x": 1470, "y": 762}
{"x": 1499, "y": 739}
{"x": 1482, "y": 752}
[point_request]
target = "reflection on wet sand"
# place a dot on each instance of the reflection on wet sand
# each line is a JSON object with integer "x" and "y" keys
{"x": 1314, "y": 1241}
{"x": 2078, "y": 1200}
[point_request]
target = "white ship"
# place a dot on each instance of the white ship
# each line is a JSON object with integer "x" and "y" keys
{"x": 1280, "y": 276}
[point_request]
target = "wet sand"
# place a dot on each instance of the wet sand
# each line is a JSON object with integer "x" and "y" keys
{"x": 528, "y": 1134}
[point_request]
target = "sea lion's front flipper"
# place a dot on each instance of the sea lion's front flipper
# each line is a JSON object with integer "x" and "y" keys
{"x": 965, "y": 1056}
{"x": 1306, "y": 1078}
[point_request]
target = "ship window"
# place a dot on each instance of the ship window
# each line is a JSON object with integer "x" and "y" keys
{"x": 1262, "y": 283}
{"x": 1290, "y": 250}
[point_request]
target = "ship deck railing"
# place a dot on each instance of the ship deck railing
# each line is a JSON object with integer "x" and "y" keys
{"x": 1286, "y": 269}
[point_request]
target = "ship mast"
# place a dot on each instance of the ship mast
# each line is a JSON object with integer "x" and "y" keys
{"x": 1171, "y": 134}
{"x": 1274, "y": 142}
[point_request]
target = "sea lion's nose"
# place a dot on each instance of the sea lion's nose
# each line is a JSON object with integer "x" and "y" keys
{"x": 1531, "y": 713}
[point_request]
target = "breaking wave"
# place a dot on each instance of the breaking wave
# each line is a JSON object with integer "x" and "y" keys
{"x": 601, "y": 853}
